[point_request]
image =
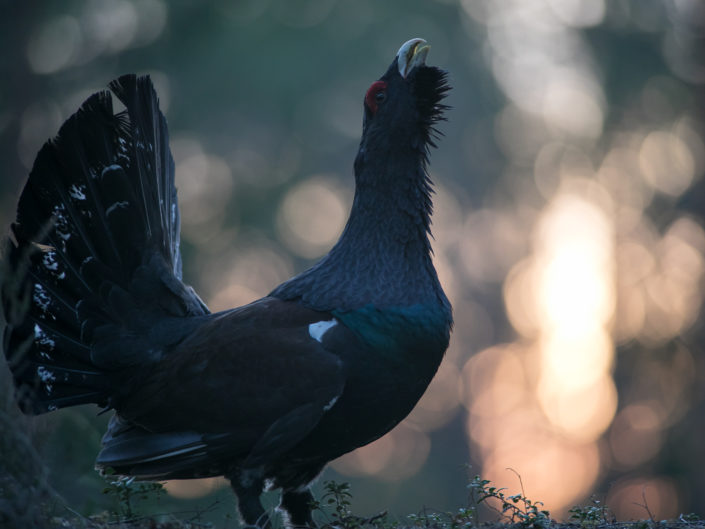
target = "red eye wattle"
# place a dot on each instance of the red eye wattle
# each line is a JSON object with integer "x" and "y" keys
{"x": 375, "y": 95}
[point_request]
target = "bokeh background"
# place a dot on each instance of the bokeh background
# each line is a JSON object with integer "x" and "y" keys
{"x": 568, "y": 220}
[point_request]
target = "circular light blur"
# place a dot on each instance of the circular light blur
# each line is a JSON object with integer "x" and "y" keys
{"x": 312, "y": 216}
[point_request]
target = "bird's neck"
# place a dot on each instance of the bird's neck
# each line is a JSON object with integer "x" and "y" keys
{"x": 390, "y": 219}
{"x": 383, "y": 257}
{"x": 385, "y": 254}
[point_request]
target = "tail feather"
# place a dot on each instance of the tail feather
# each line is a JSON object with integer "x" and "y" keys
{"x": 93, "y": 259}
{"x": 151, "y": 150}
{"x": 62, "y": 187}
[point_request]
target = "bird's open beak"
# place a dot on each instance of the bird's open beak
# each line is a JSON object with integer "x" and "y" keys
{"x": 411, "y": 54}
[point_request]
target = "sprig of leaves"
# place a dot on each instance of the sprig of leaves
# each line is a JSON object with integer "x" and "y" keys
{"x": 128, "y": 492}
{"x": 516, "y": 508}
{"x": 335, "y": 504}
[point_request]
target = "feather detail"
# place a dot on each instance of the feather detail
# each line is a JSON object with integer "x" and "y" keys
{"x": 96, "y": 221}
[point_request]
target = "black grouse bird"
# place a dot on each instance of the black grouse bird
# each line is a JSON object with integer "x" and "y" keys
{"x": 266, "y": 394}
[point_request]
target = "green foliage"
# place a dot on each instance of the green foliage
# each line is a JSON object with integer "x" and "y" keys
{"x": 128, "y": 492}
{"x": 591, "y": 516}
{"x": 464, "y": 518}
{"x": 337, "y": 496}
{"x": 516, "y": 509}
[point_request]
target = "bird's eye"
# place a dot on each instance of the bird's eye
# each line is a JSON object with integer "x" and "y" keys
{"x": 376, "y": 94}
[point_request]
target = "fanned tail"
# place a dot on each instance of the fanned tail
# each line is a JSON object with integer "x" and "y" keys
{"x": 92, "y": 264}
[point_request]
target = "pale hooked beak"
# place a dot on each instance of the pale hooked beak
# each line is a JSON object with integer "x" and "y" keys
{"x": 411, "y": 54}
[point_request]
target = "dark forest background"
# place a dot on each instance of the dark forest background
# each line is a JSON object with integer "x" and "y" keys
{"x": 568, "y": 227}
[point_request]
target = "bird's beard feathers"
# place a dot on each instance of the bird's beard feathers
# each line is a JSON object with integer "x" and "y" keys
{"x": 430, "y": 88}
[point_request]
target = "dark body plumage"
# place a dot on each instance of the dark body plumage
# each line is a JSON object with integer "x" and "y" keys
{"x": 95, "y": 310}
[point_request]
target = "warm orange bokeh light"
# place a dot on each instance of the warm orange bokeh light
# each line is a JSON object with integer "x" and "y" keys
{"x": 640, "y": 498}
{"x": 396, "y": 456}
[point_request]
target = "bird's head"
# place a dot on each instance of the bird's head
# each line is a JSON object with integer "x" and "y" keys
{"x": 402, "y": 107}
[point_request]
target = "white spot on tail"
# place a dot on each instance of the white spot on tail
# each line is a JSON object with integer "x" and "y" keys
{"x": 77, "y": 192}
{"x": 40, "y": 297}
{"x": 318, "y": 329}
{"x": 61, "y": 225}
{"x": 50, "y": 262}
{"x": 46, "y": 377}
{"x": 145, "y": 146}
{"x": 42, "y": 338}
{"x": 84, "y": 263}
{"x": 330, "y": 404}
{"x": 113, "y": 167}
{"x": 122, "y": 204}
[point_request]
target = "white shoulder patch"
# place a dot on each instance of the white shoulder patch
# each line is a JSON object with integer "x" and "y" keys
{"x": 318, "y": 329}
